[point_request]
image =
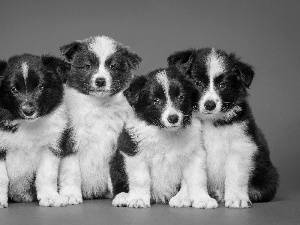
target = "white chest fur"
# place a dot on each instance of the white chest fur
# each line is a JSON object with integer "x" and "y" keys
{"x": 166, "y": 154}
{"x": 24, "y": 147}
{"x": 220, "y": 144}
{"x": 96, "y": 124}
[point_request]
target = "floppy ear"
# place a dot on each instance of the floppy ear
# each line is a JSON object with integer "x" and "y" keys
{"x": 69, "y": 50}
{"x": 57, "y": 65}
{"x": 135, "y": 89}
{"x": 3, "y": 65}
{"x": 244, "y": 70}
{"x": 133, "y": 59}
{"x": 182, "y": 59}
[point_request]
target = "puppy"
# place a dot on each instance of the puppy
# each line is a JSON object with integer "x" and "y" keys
{"x": 32, "y": 125}
{"x": 159, "y": 149}
{"x": 100, "y": 71}
{"x": 238, "y": 162}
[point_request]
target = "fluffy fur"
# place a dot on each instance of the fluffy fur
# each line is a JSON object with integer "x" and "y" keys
{"x": 238, "y": 162}
{"x": 159, "y": 151}
{"x": 100, "y": 71}
{"x": 33, "y": 120}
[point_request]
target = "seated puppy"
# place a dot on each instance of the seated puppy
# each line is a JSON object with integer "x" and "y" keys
{"x": 32, "y": 125}
{"x": 159, "y": 150}
{"x": 100, "y": 71}
{"x": 238, "y": 161}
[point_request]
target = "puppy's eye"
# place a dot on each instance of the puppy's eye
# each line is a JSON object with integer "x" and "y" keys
{"x": 83, "y": 67}
{"x": 113, "y": 67}
{"x": 199, "y": 83}
{"x": 181, "y": 97}
{"x": 14, "y": 90}
{"x": 157, "y": 101}
{"x": 222, "y": 85}
{"x": 40, "y": 87}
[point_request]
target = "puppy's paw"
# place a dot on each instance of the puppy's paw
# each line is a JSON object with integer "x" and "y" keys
{"x": 3, "y": 201}
{"x": 137, "y": 202}
{"x": 179, "y": 201}
{"x": 120, "y": 200}
{"x": 53, "y": 200}
{"x": 238, "y": 203}
{"x": 73, "y": 199}
{"x": 205, "y": 203}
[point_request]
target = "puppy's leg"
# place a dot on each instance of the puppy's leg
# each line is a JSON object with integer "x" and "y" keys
{"x": 139, "y": 184}
{"x": 3, "y": 184}
{"x": 46, "y": 180}
{"x": 181, "y": 199}
{"x": 237, "y": 171}
{"x": 195, "y": 177}
{"x": 70, "y": 179}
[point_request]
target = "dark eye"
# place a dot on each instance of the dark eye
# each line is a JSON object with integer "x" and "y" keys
{"x": 199, "y": 83}
{"x": 86, "y": 67}
{"x": 40, "y": 87}
{"x": 157, "y": 101}
{"x": 181, "y": 97}
{"x": 222, "y": 85}
{"x": 14, "y": 90}
{"x": 113, "y": 67}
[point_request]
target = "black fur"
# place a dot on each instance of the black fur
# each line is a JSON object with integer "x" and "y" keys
{"x": 2, "y": 153}
{"x": 238, "y": 77}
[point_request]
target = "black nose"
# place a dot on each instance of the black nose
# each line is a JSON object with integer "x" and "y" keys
{"x": 210, "y": 105}
{"x": 100, "y": 82}
{"x": 28, "y": 110}
{"x": 173, "y": 118}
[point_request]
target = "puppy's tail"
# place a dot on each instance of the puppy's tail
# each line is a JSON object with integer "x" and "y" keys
{"x": 263, "y": 187}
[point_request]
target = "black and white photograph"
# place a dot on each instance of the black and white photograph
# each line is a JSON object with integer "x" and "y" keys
{"x": 149, "y": 112}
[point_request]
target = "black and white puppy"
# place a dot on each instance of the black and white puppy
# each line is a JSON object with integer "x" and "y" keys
{"x": 238, "y": 160}
{"x": 101, "y": 69}
{"x": 32, "y": 125}
{"x": 159, "y": 150}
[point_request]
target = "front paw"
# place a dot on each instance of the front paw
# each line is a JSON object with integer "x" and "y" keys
{"x": 238, "y": 203}
{"x": 205, "y": 203}
{"x": 73, "y": 199}
{"x": 131, "y": 200}
{"x": 179, "y": 201}
{"x": 3, "y": 201}
{"x": 53, "y": 200}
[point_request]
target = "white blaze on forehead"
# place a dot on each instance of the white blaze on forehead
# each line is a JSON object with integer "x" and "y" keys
{"x": 24, "y": 68}
{"x": 103, "y": 47}
{"x": 163, "y": 80}
{"x": 215, "y": 64}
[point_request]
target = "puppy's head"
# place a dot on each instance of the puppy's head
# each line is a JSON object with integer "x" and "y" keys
{"x": 163, "y": 98}
{"x": 32, "y": 86}
{"x": 100, "y": 65}
{"x": 221, "y": 78}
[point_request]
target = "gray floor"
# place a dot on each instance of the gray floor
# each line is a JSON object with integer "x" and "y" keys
{"x": 284, "y": 209}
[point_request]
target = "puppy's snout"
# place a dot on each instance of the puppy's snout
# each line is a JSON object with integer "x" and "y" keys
{"x": 173, "y": 118}
{"x": 28, "y": 110}
{"x": 100, "y": 82}
{"x": 210, "y": 105}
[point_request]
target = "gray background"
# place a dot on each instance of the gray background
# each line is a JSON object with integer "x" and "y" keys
{"x": 264, "y": 33}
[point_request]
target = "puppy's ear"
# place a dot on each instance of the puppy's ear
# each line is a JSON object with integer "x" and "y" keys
{"x": 182, "y": 60}
{"x": 57, "y": 65}
{"x": 70, "y": 49}
{"x": 133, "y": 59}
{"x": 244, "y": 70}
{"x": 135, "y": 90}
{"x": 3, "y": 65}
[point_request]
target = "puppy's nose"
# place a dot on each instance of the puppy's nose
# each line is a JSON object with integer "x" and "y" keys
{"x": 173, "y": 118}
{"x": 209, "y": 105}
{"x": 100, "y": 82}
{"x": 28, "y": 110}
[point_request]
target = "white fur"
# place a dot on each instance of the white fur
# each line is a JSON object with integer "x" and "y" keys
{"x": 3, "y": 185}
{"x": 229, "y": 162}
{"x": 215, "y": 66}
{"x": 163, "y": 80}
{"x": 165, "y": 159}
{"x": 26, "y": 148}
{"x": 24, "y": 67}
{"x": 96, "y": 123}
{"x": 103, "y": 47}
